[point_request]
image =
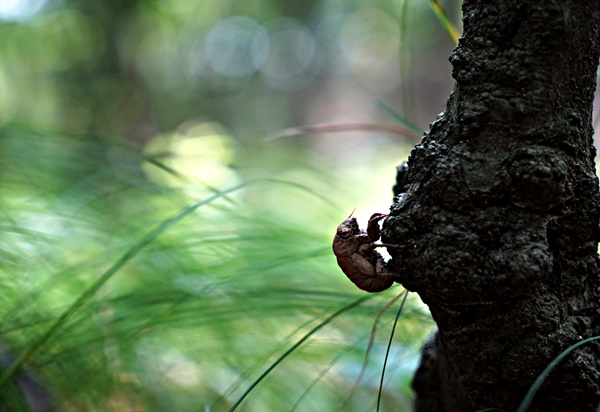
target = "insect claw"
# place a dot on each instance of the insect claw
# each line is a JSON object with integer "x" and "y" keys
{"x": 391, "y": 246}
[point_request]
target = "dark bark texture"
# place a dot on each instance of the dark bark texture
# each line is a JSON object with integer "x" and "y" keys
{"x": 499, "y": 213}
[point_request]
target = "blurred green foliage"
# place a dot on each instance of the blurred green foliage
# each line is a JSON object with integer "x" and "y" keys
{"x": 117, "y": 116}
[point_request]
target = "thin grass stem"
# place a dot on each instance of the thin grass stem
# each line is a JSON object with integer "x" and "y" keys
{"x": 440, "y": 13}
{"x": 540, "y": 379}
{"x": 387, "y": 352}
{"x": 297, "y": 345}
{"x": 369, "y": 347}
{"x": 94, "y": 287}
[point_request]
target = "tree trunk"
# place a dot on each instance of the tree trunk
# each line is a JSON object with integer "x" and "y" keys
{"x": 499, "y": 213}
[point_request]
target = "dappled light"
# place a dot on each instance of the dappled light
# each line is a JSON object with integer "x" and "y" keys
{"x": 21, "y": 10}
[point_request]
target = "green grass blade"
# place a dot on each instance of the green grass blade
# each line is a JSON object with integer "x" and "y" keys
{"x": 450, "y": 28}
{"x": 387, "y": 352}
{"x": 215, "y": 406}
{"x": 124, "y": 259}
{"x": 389, "y": 112}
{"x": 160, "y": 165}
{"x": 342, "y": 127}
{"x": 92, "y": 289}
{"x": 299, "y": 186}
{"x": 369, "y": 347}
{"x": 297, "y": 345}
{"x": 318, "y": 378}
{"x": 14, "y": 399}
{"x": 540, "y": 379}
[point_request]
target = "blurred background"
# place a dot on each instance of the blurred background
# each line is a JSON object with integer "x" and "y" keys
{"x": 166, "y": 223}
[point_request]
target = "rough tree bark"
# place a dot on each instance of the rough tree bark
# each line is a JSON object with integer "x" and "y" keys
{"x": 499, "y": 213}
